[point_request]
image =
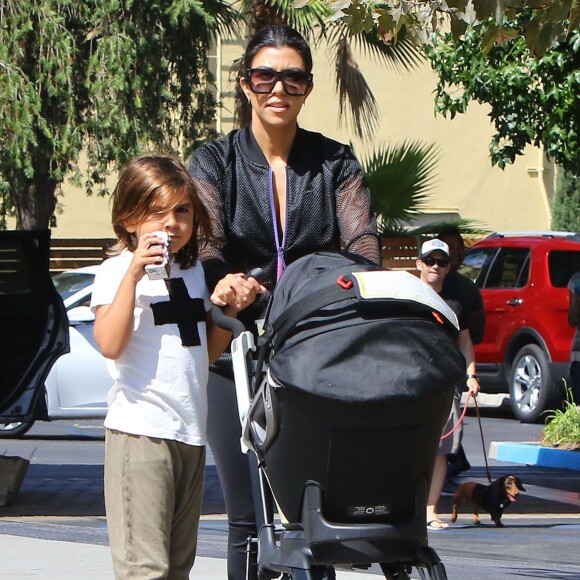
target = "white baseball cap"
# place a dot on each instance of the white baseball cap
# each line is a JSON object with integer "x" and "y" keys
{"x": 434, "y": 245}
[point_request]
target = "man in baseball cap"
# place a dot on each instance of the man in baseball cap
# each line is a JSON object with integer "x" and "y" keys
{"x": 433, "y": 265}
{"x": 434, "y": 245}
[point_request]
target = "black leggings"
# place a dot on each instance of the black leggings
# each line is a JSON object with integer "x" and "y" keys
{"x": 233, "y": 468}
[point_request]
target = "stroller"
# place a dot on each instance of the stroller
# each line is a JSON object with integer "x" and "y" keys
{"x": 342, "y": 414}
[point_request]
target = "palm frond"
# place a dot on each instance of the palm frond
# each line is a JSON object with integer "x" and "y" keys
{"x": 399, "y": 57}
{"x": 309, "y": 20}
{"x": 400, "y": 178}
{"x": 227, "y": 20}
{"x": 357, "y": 104}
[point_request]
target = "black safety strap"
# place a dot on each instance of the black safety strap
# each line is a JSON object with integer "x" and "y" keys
{"x": 297, "y": 312}
{"x": 304, "y": 308}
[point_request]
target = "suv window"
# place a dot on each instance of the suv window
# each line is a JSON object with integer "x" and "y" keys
{"x": 510, "y": 269}
{"x": 476, "y": 261}
{"x": 562, "y": 266}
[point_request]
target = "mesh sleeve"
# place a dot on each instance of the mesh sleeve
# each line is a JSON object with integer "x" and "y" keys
{"x": 358, "y": 225}
{"x": 211, "y": 253}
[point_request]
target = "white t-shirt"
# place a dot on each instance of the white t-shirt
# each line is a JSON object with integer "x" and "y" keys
{"x": 160, "y": 387}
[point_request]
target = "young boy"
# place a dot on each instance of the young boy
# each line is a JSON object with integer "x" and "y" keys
{"x": 160, "y": 340}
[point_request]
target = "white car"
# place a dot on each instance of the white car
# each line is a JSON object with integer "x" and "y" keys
{"x": 77, "y": 385}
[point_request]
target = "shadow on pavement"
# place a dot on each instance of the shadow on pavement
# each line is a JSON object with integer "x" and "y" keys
{"x": 551, "y": 491}
{"x": 77, "y": 490}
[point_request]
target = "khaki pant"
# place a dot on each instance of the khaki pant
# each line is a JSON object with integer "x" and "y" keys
{"x": 153, "y": 492}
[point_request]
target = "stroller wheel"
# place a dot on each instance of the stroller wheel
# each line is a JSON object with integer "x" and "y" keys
{"x": 316, "y": 573}
{"x": 323, "y": 573}
{"x": 396, "y": 571}
{"x": 436, "y": 573}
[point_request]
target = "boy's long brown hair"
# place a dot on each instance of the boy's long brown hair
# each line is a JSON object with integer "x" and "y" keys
{"x": 144, "y": 181}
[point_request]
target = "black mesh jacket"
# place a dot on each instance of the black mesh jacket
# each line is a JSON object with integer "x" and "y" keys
{"x": 327, "y": 205}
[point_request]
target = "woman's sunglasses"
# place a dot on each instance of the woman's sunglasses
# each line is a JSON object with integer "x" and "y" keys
{"x": 441, "y": 262}
{"x": 263, "y": 80}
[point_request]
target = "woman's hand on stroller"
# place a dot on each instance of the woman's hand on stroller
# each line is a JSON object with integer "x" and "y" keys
{"x": 234, "y": 292}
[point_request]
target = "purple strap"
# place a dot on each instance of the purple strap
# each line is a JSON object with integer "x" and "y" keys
{"x": 279, "y": 246}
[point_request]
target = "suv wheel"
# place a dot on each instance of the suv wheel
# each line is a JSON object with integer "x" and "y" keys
{"x": 531, "y": 388}
{"x": 15, "y": 430}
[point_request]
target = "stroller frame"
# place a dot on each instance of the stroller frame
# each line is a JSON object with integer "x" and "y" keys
{"x": 305, "y": 552}
{"x": 306, "y": 547}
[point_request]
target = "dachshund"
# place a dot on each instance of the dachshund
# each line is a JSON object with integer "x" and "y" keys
{"x": 493, "y": 498}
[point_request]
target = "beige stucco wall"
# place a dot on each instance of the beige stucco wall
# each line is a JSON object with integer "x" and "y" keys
{"x": 83, "y": 216}
{"x": 502, "y": 200}
{"x": 468, "y": 185}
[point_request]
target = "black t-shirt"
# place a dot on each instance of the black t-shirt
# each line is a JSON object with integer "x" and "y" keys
{"x": 452, "y": 300}
{"x": 461, "y": 288}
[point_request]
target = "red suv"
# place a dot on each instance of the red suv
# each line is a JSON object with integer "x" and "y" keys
{"x": 526, "y": 346}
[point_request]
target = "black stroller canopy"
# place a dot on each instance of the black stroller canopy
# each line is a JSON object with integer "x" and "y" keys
{"x": 359, "y": 338}
{"x": 362, "y": 366}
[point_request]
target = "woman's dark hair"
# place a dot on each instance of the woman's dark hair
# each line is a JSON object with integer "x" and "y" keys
{"x": 277, "y": 37}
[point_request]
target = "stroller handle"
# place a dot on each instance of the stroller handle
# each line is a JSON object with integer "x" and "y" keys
{"x": 228, "y": 322}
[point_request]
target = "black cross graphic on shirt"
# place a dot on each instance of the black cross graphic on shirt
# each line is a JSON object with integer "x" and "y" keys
{"x": 180, "y": 309}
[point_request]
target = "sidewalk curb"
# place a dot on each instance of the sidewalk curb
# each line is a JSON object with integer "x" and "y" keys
{"x": 533, "y": 454}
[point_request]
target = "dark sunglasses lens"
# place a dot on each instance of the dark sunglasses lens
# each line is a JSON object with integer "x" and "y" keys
{"x": 295, "y": 82}
{"x": 442, "y": 262}
{"x": 262, "y": 80}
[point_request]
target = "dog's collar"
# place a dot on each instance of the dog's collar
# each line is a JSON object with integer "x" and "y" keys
{"x": 496, "y": 502}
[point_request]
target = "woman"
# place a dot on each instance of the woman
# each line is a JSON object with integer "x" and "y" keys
{"x": 275, "y": 193}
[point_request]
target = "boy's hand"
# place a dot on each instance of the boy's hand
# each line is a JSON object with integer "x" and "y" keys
{"x": 150, "y": 249}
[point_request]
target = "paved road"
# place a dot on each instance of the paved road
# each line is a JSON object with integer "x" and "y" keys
{"x": 61, "y": 498}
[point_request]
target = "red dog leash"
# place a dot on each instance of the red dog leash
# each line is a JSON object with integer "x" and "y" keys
{"x": 456, "y": 426}
{"x": 460, "y": 420}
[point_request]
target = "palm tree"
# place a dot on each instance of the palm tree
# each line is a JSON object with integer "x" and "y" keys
{"x": 358, "y": 108}
{"x": 400, "y": 178}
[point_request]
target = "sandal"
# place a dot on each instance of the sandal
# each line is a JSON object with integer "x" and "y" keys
{"x": 437, "y": 525}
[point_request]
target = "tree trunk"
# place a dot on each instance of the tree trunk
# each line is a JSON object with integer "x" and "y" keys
{"x": 34, "y": 201}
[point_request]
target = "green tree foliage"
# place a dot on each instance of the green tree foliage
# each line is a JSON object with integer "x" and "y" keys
{"x": 539, "y": 40}
{"x": 566, "y": 206}
{"x": 533, "y": 100}
{"x": 549, "y": 21}
{"x": 109, "y": 78}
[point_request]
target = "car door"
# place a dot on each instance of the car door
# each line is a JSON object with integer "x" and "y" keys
{"x": 78, "y": 383}
{"x": 504, "y": 292}
{"x": 33, "y": 322}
